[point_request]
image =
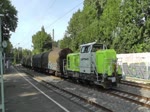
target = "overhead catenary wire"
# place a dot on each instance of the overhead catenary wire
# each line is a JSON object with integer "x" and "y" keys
{"x": 57, "y": 18}
{"x": 51, "y": 5}
{"x": 64, "y": 15}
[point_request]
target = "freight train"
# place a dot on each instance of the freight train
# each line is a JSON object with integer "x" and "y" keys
{"x": 94, "y": 64}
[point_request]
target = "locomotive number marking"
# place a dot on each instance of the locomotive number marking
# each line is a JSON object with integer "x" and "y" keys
{"x": 84, "y": 59}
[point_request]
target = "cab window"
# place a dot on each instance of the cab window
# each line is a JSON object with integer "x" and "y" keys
{"x": 85, "y": 49}
{"x": 97, "y": 47}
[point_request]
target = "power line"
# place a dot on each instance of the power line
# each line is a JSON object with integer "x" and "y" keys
{"x": 64, "y": 15}
{"x": 52, "y": 4}
{"x": 57, "y": 18}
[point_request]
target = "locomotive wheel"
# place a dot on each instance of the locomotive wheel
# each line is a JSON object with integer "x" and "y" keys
{"x": 114, "y": 84}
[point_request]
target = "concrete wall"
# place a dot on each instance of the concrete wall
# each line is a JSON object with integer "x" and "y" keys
{"x": 135, "y": 64}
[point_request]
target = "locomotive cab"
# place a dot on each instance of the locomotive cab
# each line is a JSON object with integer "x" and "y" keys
{"x": 87, "y": 56}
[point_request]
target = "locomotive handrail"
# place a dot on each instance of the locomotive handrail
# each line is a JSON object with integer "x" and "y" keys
{"x": 95, "y": 69}
{"x": 111, "y": 65}
{"x": 64, "y": 63}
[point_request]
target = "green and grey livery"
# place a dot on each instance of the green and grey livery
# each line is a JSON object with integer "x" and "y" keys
{"x": 95, "y": 64}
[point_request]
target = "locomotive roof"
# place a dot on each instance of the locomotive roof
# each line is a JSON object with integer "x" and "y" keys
{"x": 92, "y": 43}
{"x": 73, "y": 54}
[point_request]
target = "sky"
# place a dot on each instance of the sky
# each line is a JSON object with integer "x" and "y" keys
{"x": 33, "y": 14}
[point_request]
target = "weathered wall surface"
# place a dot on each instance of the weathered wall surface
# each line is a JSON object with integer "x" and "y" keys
{"x": 135, "y": 64}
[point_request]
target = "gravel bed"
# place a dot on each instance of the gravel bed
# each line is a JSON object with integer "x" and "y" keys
{"x": 134, "y": 90}
{"x": 114, "y": 103}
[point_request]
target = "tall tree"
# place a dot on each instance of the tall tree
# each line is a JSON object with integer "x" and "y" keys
{"x": 26, "y": 52}
{"x": 9, "y": 24}
{"x": 133, "y": 26}
{"x": 9, "y": 21}
{"x": 84, "y": 25}
{"x": 41, "y": 41}
{"x": 120, "y": 24}
{"x": 109, "y": 21}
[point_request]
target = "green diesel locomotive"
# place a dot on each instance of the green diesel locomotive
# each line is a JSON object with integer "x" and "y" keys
{"x": 95, "y": 64}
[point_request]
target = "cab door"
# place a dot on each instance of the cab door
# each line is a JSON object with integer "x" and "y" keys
{"x": 85, "y": 59}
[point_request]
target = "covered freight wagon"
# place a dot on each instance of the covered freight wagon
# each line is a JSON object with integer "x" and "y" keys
{"x": 53, "y": 59}
{"x": 50, "y": 61}
{"x": 29, "y": 61}
{"x": 36, "y": 62}
{"x": 44, "y": 62}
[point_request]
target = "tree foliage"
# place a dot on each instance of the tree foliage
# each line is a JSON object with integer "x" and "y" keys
{"x": 9, "y": 24}
{"x": 18, "y": 54}
{"x": 83, "y": 26}
{"x": 8, "y": 49}
{"x": 9, "y": 21}
{"x": 120, "y": 24}
{"x": 41, "y": 41}
{"x": 26, "y": 52}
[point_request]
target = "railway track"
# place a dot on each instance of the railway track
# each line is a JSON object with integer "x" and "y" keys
{"x": 134, "y": 84}
{"x": 136, "y": 99}
{"x": 141, "y": 100}
{"x": 88, "y": 103}
{"x": 92, "y": 106}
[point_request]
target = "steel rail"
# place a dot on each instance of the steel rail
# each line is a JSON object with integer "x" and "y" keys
{"x": 131, "y": 97}
{"x": 139, "y": 85}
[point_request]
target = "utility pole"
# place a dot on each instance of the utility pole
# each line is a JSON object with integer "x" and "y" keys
{"x": 52, "y": 38}
{"x": 1, "y": 68}
{"x": 53, "y": 34}
{"x": 18, "y": 54}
